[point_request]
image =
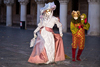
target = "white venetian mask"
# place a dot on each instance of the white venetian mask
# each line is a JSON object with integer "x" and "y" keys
{"x": 48, "y": 13}
{"x": 75, "y": 18}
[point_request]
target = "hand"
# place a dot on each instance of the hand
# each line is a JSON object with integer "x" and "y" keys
{"x": 79, "y": 27}
{"x": 34, "y": 32}
{"x": 58, "y": 19}
{"x": 61, "y": 35}
{"x": 35, "y": 35}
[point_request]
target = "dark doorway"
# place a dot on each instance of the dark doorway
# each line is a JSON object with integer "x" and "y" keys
{"x": 75, "y": 4}
{"x": 17, "y": 7}
{"x": 56, "y": 11}
{"x": 28, "y": 7}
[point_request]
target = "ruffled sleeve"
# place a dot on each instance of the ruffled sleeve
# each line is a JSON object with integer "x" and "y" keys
{"x": 73, "y": 28}
{"x": 58, "y": 22}
{"x": 40, "y": 24}
{"x": 86, "y": 26}
{"x": 38, "y": 28}
{"x": 59, "y": 25}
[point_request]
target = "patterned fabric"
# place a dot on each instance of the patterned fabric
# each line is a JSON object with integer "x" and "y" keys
{"x": 73, "y": 28}
{"x": 79, "y": 37}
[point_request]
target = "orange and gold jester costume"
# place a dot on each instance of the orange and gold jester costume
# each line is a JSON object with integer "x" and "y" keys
{"x": 77, "y": 28}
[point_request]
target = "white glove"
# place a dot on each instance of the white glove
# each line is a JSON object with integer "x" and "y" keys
{"x": 35, "y": 35}
{"x": 32, "y": 42}
{"x": 61, "y": 35}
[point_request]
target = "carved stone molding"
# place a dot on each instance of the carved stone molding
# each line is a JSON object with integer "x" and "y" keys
{"x": 98, "y": 1}
{"x": 24, "y": 2}
{"x": 63, "y": 1}
{"x": 41, "y": 1}
{"x": 9, "y": 2}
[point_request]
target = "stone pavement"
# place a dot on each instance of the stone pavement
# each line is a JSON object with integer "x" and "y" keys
{"x": 15, "y": 50}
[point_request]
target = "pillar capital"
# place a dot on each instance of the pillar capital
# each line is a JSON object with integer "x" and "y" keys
{"x": 97, "y": 1}
{"x": 40, "y": 1}
{"x": 23, "y": 2}
{"x": 63, "y": 1}
{"x": 9, "y": 2}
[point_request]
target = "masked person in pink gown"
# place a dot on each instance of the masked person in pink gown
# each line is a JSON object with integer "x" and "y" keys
{"x": 49, "y": 46}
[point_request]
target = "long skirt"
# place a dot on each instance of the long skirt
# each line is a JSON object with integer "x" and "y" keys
{"x": 49, "y": 48}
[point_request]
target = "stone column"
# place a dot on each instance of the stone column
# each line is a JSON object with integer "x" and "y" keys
{"x": 9, "y": 12}
{"x": 40, "y": 4}
{"x": 23, "y": 10}
{"x": 94, "y": 17}
{"x": 63, "y": 14}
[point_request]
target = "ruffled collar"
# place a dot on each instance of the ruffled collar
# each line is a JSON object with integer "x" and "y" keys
{"x": 76, "y": 21}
